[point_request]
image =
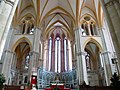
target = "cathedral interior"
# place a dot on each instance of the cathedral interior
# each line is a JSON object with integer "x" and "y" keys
{"x": 63, "y": 41}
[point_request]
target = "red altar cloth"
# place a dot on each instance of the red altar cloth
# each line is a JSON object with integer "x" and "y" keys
{"x": 60, "y": 86}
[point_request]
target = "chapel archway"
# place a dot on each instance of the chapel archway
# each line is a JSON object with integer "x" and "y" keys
{"x": 94, "y": 64}
{"x": 20, "y": 63}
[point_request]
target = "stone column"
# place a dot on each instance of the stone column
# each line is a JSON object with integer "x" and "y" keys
{"x": 34, "y": 54}
{"x": 47, "y": 55}
{"x": 111, "y": 12}
{"x": 73, "y": 56}
{"x": 7, "y": 10}
{"x": 93, "y": 29}
{"x": 7, "y": 64}
{"x": 96, "y": 30}
{"x": 107, "y": 67}
{"x": 89, "y": 30}
{"x": 7, "y": 57}
{"x": 101, "y": 61}
{"x": 117, "y": 6}
{"x": 41, "y": 53}
{"x": 83, "y": 54}
{"x": 80, "y": 68}
{"x": 67, "y": 53}
{"x": 34, "y": 57}
{"x": 26, "y": 27}
{"x": 14, "y": 61}
{"x": 106, "y": 59}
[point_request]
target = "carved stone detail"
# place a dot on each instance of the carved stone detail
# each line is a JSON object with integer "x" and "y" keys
{"x": 9, "y": 2}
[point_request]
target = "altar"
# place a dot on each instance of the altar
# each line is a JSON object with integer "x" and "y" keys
{"x": 60, "y": 86}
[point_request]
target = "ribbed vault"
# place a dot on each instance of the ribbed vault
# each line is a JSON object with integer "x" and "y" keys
{"x": 48, "y": 13}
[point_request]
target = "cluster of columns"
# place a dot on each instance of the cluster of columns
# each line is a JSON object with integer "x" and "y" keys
{"x": 81, "y": 62}
{"x": 34, "y": 62}
{"x": 9, "y": 58}
{"x": 6, "y": 69}
{"x": 80, "y": 55}
{"x": 112, "y": 14}
{"x": 105, "y": 56}
{"x": 7, "y": 10}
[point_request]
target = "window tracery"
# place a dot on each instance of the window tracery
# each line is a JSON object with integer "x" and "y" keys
{"x": 58, "y": 54}
{"x": 88, "y": 27}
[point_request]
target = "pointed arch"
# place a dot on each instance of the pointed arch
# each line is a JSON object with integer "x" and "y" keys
{"x": 19, "y": 41}
{"x": 59, "y": 22}
{"x": 93, "y": 41}
{"x": 60, "y": 8}
{"x": 85, "y": 15}
{"x": 23, "y": 18}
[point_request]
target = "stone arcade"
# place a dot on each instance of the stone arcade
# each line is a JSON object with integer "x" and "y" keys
{"x": 59, "y": 41}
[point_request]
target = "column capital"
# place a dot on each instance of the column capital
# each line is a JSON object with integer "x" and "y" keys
{"x": 31, "y": 52}
{"x": 105, "y": 52}
{"x": 10, "y": 2}
{"x": 42, "y": 40}
{"x": 38, "y": 28}
{"x": 101, "y": 28}
{"x": 81, "y": 53}
{"x": 9, "y": 51}
{"x": 110, "y": 3}
{"x": 76, "y": 28}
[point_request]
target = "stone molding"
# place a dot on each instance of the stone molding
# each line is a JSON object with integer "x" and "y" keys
{"x": 31, "y": 53}
{"x": 105, "y": 52}
{"x": 9, "y": 2}
{"x": 111, "y": 2}
{"x": 8, "y": 51}
{"x": 40, "y": 60}
{"x": 76, "y": 29}
{"x": 38, "y": 28}
{"x": 80, "y": 53}
{"x": 101, "y": 28}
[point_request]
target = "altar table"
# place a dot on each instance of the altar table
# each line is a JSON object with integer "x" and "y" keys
{"x": 60, "y": 86}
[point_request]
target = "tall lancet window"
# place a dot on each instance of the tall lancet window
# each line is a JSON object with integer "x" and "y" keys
{"x": 65, "y": 53}
{"x": 50, "y": 52}
{"x": 57, "y": 54}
